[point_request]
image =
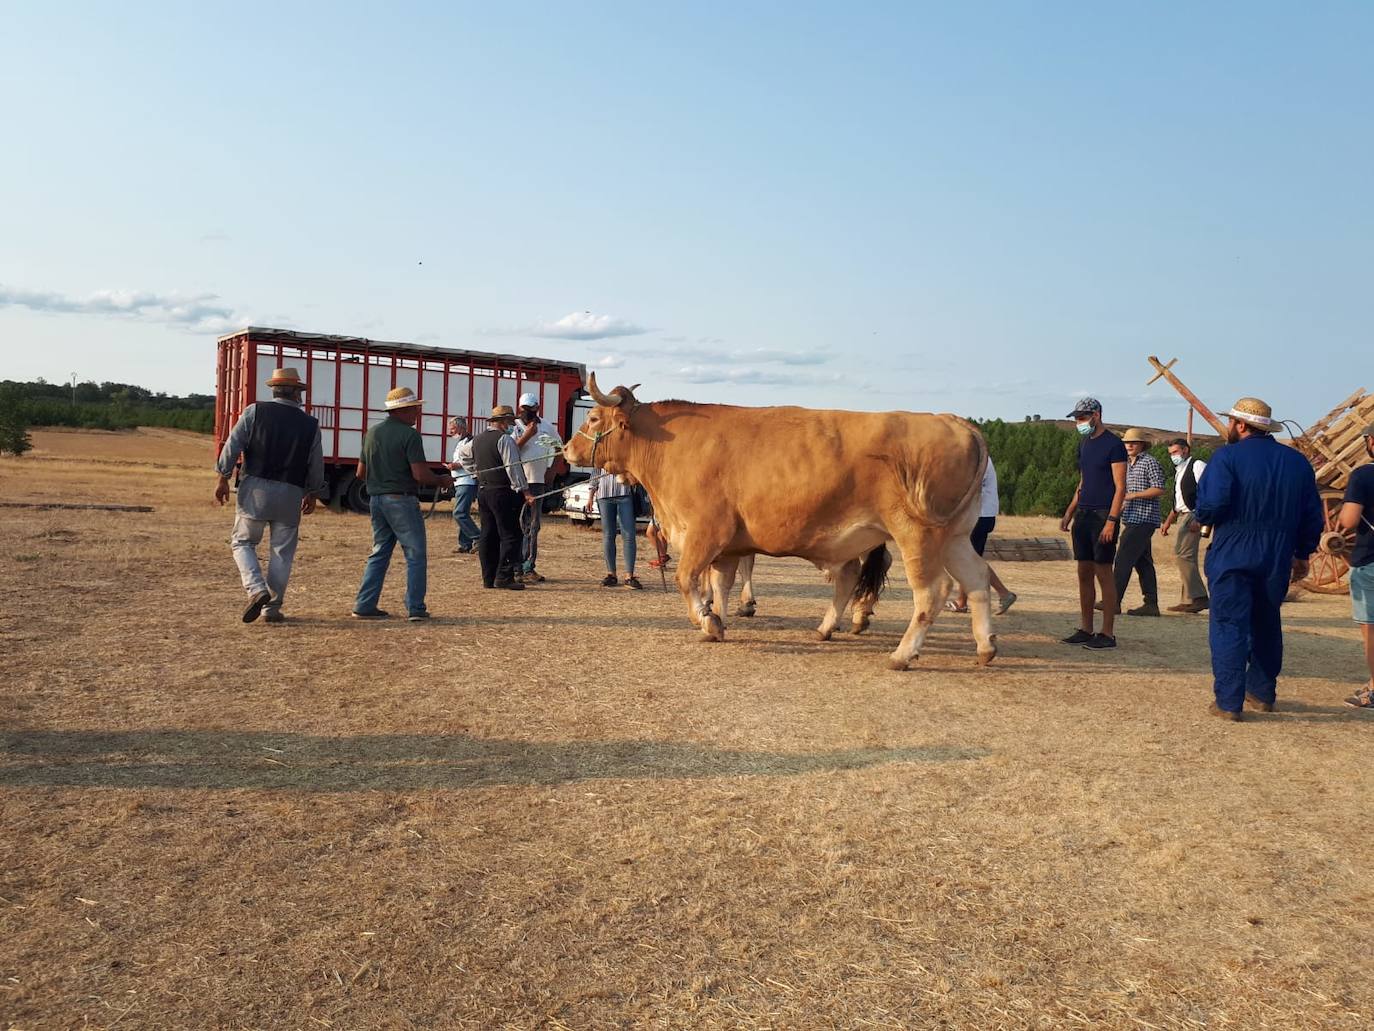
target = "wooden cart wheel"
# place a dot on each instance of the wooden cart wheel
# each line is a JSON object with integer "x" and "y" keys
{"x": 1325, "y": 572}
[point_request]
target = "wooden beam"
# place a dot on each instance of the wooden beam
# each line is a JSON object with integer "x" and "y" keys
{"x": 1162, "y": 370}
{"x": 93, "y": 508}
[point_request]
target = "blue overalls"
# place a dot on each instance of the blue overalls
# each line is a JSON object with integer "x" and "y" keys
{"x": 1261, "y": 498}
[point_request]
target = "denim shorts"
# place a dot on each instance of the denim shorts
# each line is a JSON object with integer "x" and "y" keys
{"x": 1362, "y": 592}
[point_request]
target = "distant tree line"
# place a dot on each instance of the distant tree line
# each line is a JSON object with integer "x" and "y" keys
{"x": 1037, "y": 465}
{"x": 102, "y": 406}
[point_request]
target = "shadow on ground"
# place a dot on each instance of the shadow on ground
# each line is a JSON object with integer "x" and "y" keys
{"x": 207, "y": 759}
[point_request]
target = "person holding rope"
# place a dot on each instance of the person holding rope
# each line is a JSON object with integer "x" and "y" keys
{"x": 1357, "y": 513}
{"x": 501, "y": 482}
{"x": 537, "y": 439}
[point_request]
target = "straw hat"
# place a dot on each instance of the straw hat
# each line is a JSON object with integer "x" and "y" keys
{"x": 285, "y": 378}
{"x": 1253, "y": 411}
{"x": 1135, "y": 436}
{"x": 402, "y": 397}
{"x": 502, "y": 412}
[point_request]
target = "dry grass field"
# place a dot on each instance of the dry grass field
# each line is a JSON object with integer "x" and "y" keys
{"x": 555, "y": 809}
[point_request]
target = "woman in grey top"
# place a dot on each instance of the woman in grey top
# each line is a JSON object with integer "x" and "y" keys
{"x": 615, "y": 501}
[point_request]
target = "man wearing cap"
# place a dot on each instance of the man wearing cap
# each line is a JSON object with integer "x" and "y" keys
{"x": 1357, "y": 514}
{"x": 1139, "y": 520}
{"x": 1261, "y": 498}
{"x": 283, "y": 474}
{"x": 1094, "y": 515}
{"x": 464, "y": 470}
{"x": 501, "y": 483}
{"x": 1187, "y": 471}
{"x": 536, "y": 439}
{"x": 394, "y": 467}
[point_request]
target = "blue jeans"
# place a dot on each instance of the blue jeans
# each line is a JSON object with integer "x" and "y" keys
{"x": 617, "y": 513}
{"x": 462, "y": 515}
{"x": 395, "y": 518}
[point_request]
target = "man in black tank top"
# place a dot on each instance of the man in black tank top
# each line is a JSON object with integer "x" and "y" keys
{"x": 500, "y": 484}
{"x": 282, "y": 475}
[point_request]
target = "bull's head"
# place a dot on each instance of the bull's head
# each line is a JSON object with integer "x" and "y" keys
{"x": 609, "y": 420}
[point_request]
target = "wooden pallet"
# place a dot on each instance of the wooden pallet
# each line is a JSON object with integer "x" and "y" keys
{"x": 1333, "y": 443}
{"x": 1027, "y": 549}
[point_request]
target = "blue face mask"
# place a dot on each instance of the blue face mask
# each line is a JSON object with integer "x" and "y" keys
{"x": 1177, "y": 460}
{"x": 1084, "y": 428}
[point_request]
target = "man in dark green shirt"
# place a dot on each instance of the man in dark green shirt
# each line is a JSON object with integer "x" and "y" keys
{"x": 393, "y": 466}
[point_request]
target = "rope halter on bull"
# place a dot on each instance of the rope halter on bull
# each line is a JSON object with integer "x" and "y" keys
{"x": 615, "y": 399}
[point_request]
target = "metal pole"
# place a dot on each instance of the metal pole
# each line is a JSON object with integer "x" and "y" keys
{"x": 1190, "y": 427}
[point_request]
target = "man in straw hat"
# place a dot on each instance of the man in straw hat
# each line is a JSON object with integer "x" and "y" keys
{"x": 1139, "y": 521}
{"x": 1262, "y": 499}
{"x": 394, "y": 467}
{"x": 1357, "y": 514}
{"x": 283, "y": 474}
{"x": 501, "y": 482}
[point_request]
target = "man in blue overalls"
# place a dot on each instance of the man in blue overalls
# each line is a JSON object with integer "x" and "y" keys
{"x": 1261, "y": 498}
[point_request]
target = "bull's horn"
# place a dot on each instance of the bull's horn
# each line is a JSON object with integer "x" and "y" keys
{"x": 609, "y": 400}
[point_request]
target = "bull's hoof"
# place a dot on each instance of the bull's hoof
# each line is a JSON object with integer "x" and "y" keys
{"x": 985, "y": 657}
{"x": 898, "y": 663}
{"x": 860, "y": 625}
{"x": 823, "y": 635}
{"x": 712, "y": 629}
{"x": 746, "y": 610}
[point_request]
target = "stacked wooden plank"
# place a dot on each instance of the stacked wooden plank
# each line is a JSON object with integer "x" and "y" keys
{"x": 1333, "y": 444}
{"x": 1027, "y": 549}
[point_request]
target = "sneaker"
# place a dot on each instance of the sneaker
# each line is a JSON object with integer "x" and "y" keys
{"x": 255, "y": 605}
{"x": 418, "y": 617}
{"x": 609, "y": 580}
{"x": 1361, "y": 700}
{"x": 374, "y": 614}
{"x": 1079, "y": 637}
{"x": 1099, "y": 642}
{"x": 1148, "y": 609}
{"x": 531, "y": 577}
{"x": 1005, "y": 602}
{"x": 1201, "y": 605}
{"x": 1255, "y": 705}
{"x": 511, "y": 584}
{"x": 1217, "y": 710}
{"x": 273, "y": 615}
{"x": 633, "y": 583}
{"x": 954, "y": 606}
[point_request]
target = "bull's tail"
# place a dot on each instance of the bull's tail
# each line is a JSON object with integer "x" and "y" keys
{"x": 873, "y": 574}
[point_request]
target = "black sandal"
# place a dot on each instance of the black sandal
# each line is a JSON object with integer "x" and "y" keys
{"x": 632, "y": 582}
{"x": 609, "y": 581}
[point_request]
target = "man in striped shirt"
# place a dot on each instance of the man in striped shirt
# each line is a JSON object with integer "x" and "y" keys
{"x": 1139, "y": 521}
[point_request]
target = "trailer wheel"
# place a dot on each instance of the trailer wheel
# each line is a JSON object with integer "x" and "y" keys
{"x": 357, "y": 497}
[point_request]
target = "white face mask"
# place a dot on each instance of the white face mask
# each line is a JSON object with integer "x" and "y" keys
{"x": 1177, "y": 460}
{"x": 1084, "y": 428}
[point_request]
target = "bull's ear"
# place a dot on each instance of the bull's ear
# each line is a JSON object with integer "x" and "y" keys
{"x": 620, "y": 418}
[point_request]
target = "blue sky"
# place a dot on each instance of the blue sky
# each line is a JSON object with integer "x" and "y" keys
{"x": 987, "y": 209}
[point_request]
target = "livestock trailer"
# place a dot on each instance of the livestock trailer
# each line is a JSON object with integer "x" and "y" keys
{"x": 347, "y": 382}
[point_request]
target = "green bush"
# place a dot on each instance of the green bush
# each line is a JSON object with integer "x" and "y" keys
{"x": 14, "y": 424}
{"x": 1037, "y": 466}
{"x": 109, "y": 406}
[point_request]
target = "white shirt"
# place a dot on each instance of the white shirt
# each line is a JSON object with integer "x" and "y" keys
{"x": 1198, "y": 466}
{"x": 462, "y": 455}
{"x": 990, "y": 505}
{"x": 536, "y": 455}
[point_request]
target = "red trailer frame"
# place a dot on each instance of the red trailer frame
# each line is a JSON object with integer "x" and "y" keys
{"x": 348, "y": 377}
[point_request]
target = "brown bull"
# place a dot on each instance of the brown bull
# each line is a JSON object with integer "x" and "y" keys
{"x": 827, "y": 486}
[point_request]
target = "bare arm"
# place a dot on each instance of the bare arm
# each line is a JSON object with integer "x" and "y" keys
{"x": 1119, "y": 482}
{"x": 1073, "y": 505}
{"x": 428, "y": 477}
{"x": 1351, "y": 514}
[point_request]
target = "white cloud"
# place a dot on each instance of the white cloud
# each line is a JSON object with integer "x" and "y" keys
{"x": 608, "y": 361}
{"x": 577, "y": 325}
{"x": 719, "y": 374}
{"x": 196, "y": 312}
